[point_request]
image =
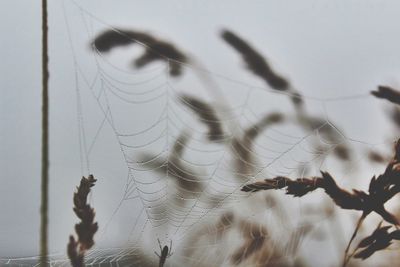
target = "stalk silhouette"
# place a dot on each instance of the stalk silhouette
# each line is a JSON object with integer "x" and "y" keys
{"x": 207, "y": 115}
{"x": 45, "y": 141}
{"x": 86, "y": 228}
{"x": 242, "y": 146}
{"x": 155, "y": 49}
{"x": 381, "y": 189}
{"x": 255, "y": 62}
{"x": 387, "y": 93}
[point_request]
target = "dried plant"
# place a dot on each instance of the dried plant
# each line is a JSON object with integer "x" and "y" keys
{"x": 387, "y": 93}
{"x": 188, "y": 182}
{"x": 224, "y": 222}
{"x": 377, "y": 157}
{"x": 395, "y": 116}
{"x": 381, "y": 189}
{"x": 242, "y": 146}
{"x": 255, "y": 61}
{"x": 156, "y": 49}
{"x": 297, "y": 100}
{"x": 328, "y": 132}
{"x": 207, "y": 115}
{"x": 45, "y": 140}
{"x": 86, "y": 228}
{"x": 342, "y": 152}
{"x": 378, "y": 240}
{"x": 257, "y": 64}
{"x": 296, "y": 237}
{"x": 255, "y": 236}
{"x": 259, "y": 249}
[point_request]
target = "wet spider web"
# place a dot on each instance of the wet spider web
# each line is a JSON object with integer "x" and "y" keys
{"x": 179, "y": 181}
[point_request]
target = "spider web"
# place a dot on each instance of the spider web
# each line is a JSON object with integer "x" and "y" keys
{"x": 179, "y": 186}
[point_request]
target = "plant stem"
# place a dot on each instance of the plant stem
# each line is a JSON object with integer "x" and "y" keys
{"x": 359, "y": 223}
{"x": 45, "y": 141}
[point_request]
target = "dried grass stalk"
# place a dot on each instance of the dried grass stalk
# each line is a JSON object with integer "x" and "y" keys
{"x": 255, "y": 235}
{"x": 329, "y": 132}
{"x": 377, "y": 157}
{"x": 297, "y": 237}
{"x": 387, "y": 93}
{"x": 395, "y": 116}
{"x": 44, "y": 187}
{"x": 242, "y": 146}
{"x": 188, "y": 182}
{"x": 342, "y": 152}
{"x": 207, "y": 115}
{"x": 378, "y": 240}
{"x": 155, "y": 49}
{"x": 256, "y": 63}
{"x": 297, "y": 100}
{"x": 381, "y": 189}
{"x": 86, "y": 228}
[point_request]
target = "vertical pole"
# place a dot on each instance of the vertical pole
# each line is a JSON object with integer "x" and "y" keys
{"x": 45, "y": 141}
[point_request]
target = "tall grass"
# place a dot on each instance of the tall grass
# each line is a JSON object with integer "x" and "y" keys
{"x": 382, "y": 188}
